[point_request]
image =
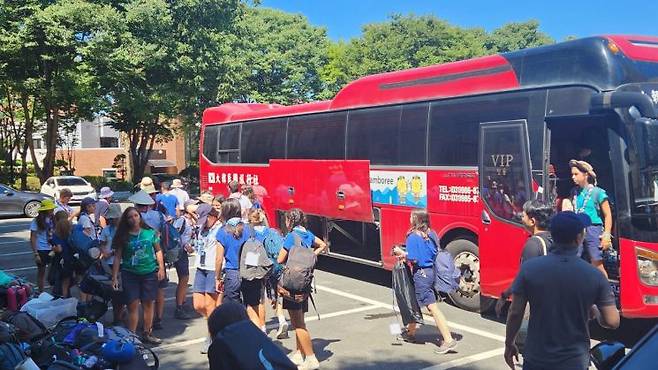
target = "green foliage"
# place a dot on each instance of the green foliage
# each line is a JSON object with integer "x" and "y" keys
{"x": 516, "y": 36}
{"x": 116, "y": 185}
{"x": 33, "y": 184}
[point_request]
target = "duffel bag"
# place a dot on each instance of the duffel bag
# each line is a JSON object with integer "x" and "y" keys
{"x": 28, "y": 328}
{"x": 97, "y": 285}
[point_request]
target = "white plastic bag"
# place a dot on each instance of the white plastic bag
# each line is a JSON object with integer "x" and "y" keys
{"x": 51, "y": 312}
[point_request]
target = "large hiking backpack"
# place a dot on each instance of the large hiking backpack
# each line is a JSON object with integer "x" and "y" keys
{"x": 11, "y": 355}
{"x": 297, "y": 275}
{"x": 86, "y": 249}
{"x": 27, "y": 327}
{"x": 170, "y": 241}
{"x": 242, "y": 345}
{"x": 254, "y": 261}
{"x": 273, "y": 242}
{"x": 446, "y": 274}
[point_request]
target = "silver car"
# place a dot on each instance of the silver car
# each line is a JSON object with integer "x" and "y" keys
{"x": 15, "y": 203}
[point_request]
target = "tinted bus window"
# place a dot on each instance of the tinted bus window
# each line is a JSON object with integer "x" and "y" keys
{"x": 382, "y": 135}
{"x": 454, "y": 127}
{"x": 317, "y": 136}
{"x": 210, "y": 143}
{"x": 263, "y": 140}
{"x": 229, "y": 144}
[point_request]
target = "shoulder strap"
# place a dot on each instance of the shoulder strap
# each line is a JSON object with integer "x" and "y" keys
{"x": 543, "y": 243}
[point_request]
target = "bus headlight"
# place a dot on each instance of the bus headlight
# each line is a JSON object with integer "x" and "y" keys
{"x": 647, "y": 266}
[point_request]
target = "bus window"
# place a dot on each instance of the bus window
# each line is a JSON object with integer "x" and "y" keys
{"x": 263, "y": 140}
{"x": 229, "y": 144}
{"x": 210, "y": 143}
{"x": 317, "y": 136}
{"x": 413, "y": 129}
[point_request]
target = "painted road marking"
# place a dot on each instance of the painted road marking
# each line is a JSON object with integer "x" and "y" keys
{"x": 467, "y": 360}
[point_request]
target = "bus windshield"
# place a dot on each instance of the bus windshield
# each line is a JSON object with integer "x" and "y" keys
{"x": 644, "y": 182}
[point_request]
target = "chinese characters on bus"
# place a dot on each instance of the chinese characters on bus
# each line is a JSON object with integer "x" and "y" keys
{"x": 225, "y": 178}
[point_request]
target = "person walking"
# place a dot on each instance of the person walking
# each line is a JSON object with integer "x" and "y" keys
{"x": 230, "y": 238}
{"x": 112, "y": 216}
{"x": 186, "y": 225}
{"x": 168, "y": 201}
{"x": 41, "y": 231}
{"x": 207, "y": 295}
{"x": 564, "y": 292}
{"x": 422, "y": 246}
{"x": 137, "y": 255}
{"x": 104, "y": 200}
{"x": 178, "y": 190}
{"x": 592, "y": 201}
{"x": 303, "y": 356}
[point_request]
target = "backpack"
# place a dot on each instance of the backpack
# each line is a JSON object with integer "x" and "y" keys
{"x": 254, "y": 261}
{"x": 86, "y": 249}
{"x": 242, "y": 345}
{"x": 446, "y": 274}
{"x": 27, "y": 327}
{"x": 11, "y": 355}
{"x": 297, "y": 275}
{"x": 170, "y": 241}
{"x": 273, "y": 242}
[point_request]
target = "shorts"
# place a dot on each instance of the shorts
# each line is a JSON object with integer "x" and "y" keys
{"x": 271, "y": 288}
{"x": 424, "y": 286}
{"x": 45, "y": 258}
{"x": 592, "y": 243}
{"x": 290, "y": 305}
{"x": 252, "y": 292}
{"x": 182, "y": 265}
{"x": 232, "y": 286}
{"x": 139, "y": 287}
{"x": 204, "y": 282}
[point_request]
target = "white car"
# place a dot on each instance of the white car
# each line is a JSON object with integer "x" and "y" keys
{"x": 79, "y": 187}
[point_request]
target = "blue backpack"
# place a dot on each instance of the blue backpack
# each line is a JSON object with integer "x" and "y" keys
{"x": 170, "y": 241}
{"x": 273, "y": 242}
{"x": 82, "y": 244}
{"x": 446, "y": 274}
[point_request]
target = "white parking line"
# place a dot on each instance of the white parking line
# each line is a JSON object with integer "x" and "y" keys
{"x": 389, "y": 306}
{"x": 21, "y": 269}
{"x": 15, "y": 254}
{"x": 15, "y": 242}
{"x": 467, "y": 360}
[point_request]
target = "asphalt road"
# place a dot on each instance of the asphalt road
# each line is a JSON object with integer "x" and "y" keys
{"x": 353, "y": 332}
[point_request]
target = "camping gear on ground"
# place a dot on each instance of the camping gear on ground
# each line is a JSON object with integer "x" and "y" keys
{"x": 17, "y": 296}
{"x": 87, "y": 249}
{"x": 97, "y": 284}
{"x": 11, "y": 355}
{"x": 92, "y": 310}
{"x": 242, "y": 345}
{"x": 27, "y": 327}
{"x": 405, "y": 295}
{"x": 50, "y": 312}
{"x": 118, "y": 351}
{"x": 27, "y": 364}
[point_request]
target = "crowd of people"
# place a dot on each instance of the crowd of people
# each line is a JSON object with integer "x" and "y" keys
{"x": 213, "y": 229}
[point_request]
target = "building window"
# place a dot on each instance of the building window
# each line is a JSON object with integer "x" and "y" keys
{"x": 37, "y": 143}
{"x": 109, "y": 142}
{"x": 110, "y": 173}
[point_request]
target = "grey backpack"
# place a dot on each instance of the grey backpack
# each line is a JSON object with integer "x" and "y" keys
{"x": 254, "y": 261}
{"x": 297, "y": 275}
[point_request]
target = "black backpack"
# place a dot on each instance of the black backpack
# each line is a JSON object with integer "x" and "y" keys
{"x": 242, "y": 345}
{"x": 28, "y": 328}
{"x": 10, "y": 356}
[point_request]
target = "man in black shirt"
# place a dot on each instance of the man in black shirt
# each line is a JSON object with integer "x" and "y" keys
{"x": 562, "y": 290}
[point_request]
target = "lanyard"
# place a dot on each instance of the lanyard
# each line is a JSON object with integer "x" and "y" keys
{"x": 581, "y": 209}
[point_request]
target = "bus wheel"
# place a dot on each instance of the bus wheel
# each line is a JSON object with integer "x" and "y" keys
{"x": 467, "y": 259}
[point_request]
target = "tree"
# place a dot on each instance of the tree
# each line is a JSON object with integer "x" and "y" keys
{"x": 66, "y": 143}
{"x": 280, "y": 57}
{"x": 119, "y": 163}
{"x": 516, "y": 36}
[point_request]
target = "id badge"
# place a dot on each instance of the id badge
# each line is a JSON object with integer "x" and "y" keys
{"x": 134, "y": 260}
{"x": 202, "y": 258}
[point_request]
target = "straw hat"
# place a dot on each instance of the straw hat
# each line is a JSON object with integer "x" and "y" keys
{"x": 47, "y": 205}
{"x": 206, "y": 198}
{"x": 114, "y": 211}
{"x": 583, "y": 167}
{"x": 147, "y": 185}
{"x": 141, "y": 198}
{"x": 176, "y": 184}
{"x": 106, "y": 192}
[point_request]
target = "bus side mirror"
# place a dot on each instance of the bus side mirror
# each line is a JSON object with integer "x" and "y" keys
{"x": 646, "y": 133}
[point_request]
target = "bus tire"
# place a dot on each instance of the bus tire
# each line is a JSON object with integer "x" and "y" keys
{"x": 467, "y": 258}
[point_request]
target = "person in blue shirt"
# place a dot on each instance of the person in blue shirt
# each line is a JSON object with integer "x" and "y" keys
{"x": 230, "y": 238}
{"x": 592, "y": 201}
{"x": 303, "y": 356}
{"x": 422, "y": 246}
{"x": 63, "y": 259}
{"x": 168, "y": 201}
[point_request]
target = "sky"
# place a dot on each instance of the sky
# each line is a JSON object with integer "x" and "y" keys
{"x": 343, "y": 19}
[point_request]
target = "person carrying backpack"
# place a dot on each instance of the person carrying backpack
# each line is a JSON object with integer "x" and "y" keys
{"x": 421, "y": 250}
{"x": 63, "y": 259}
{"x": 273, "y": 242}
{"x": 299, "y": 237}
{"x": 41, "y": 229}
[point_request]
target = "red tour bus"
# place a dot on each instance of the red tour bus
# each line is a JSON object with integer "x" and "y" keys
{"x": 470, "y": 141}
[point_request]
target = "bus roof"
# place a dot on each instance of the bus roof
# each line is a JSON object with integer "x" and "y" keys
{"x": 603, "y": 62}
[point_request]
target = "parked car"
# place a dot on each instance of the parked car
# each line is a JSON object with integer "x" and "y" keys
{"x": 80, "y": 187}
{"x": 15, "y": 203}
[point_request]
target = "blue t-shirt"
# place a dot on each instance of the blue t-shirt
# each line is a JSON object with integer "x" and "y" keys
{"x": 307, "y": 238}
{"x": 169, "y": 202}
{"x": 67, "y": 251}
{"x": 420, "y": 250}
{"x": 232, "y": 246}
{"x": 589, "y": 200}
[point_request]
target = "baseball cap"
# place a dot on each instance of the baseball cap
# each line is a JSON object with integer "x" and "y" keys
{"x": 203, "y": 211}
{"x": 568, "y": 224}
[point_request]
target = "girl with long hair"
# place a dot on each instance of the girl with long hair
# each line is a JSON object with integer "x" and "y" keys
{"x": 63, "y": 260}
{"x": 230, "y": 238}
{"x": 303, "y": 356}
{"x": 87, "y": 210}
{"x": 138, "y": 255}
{"x": 592, "y": 201}
{"x": 422, "y": 246}
{"x": 41, "y": 230}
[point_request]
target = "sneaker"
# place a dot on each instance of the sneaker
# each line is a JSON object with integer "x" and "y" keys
{"x": 181, "y": 314}
{"x": 310, "y": 363}
{"x": 148, "y": 338}
{"x": 157, "y": 324}
{"x": 282, "y": 333}
{"x": 206, "y": 345}
{"x": 407, "y": 338}
{"x": 446, "y": 347}
{"x": 296, "y": 358}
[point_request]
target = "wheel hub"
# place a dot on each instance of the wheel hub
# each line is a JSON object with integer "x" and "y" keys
{"x": 469, "y": 264}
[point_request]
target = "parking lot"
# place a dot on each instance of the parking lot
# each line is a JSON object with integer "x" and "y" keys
{"x": 355, "y": 305}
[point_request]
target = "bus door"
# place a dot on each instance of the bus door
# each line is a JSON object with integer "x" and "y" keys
{"x": 505, "y": 184}
{"x": 329, "y": 188}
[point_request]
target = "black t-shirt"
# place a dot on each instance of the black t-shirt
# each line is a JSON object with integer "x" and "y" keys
{"x": 560, "y": 288}
{"x": 533, "y": 247}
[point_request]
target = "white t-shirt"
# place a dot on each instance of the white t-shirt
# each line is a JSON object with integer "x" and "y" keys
{"x": 245, "y": 204}
{"x": 42, "y": 237}
{"x": 106, "y": 237}
{"x": 87, "y": 223}
{"x": 181, "y": 195}
{"x": 207, "y": 245}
